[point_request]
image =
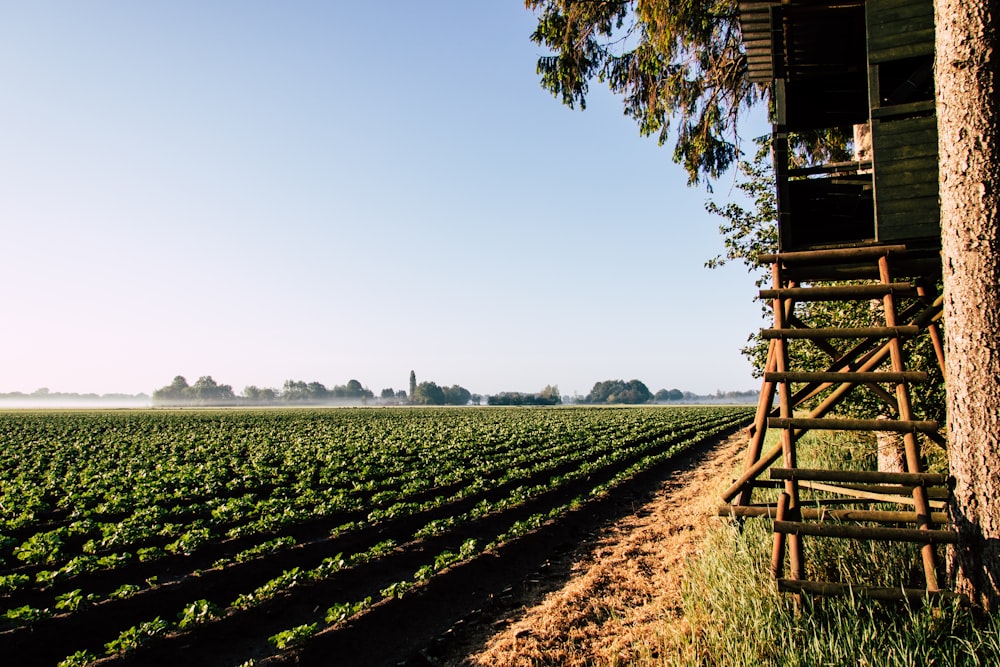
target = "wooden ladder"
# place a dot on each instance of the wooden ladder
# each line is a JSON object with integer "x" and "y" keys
{"x": 909, "y": 309}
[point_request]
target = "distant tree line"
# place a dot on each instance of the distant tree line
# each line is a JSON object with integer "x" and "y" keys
{"x": 206, "y": 391}
{"x": 635, "y": 392}
{"x": 548, "y": 396}
{"x": 43, "y": 394}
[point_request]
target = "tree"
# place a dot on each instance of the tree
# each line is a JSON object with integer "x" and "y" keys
{"x": 207, "y": 390}
{"x": 671, "y": 395}
{"x": 353, "y": 390}
{"x": 456, "y": 395}
{"x": 295, "y": 390}
{"x": 550, "y": 395}
{"x": 317, "y": 391}
{"x": 966, "y": 66}
{"x": 259, "y": 395}
{"x": 427, "y": 393}
{"x": 681, "y": 61}
{"x": 619, "y": 391}
{"x": 175, "y": 392}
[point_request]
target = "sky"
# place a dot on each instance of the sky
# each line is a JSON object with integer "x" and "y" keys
{"x": 324, "y": 191}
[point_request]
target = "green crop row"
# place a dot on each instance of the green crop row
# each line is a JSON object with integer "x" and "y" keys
{"x": 104, "y": 491}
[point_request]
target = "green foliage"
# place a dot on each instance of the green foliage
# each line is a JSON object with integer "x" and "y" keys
{"x": 124, "y": 591}
{"x": 70, "y": 601}
{"x": 750, "y": 232}
{"x": 77, "y": 659}
{"x": 547, "y": 396}
{"x": 136, "y": 636}
{"x": 632, "y": 392}
{"x": 40, "y": 548}
{"x": 669, "y": 61}
{"x": 293, "y": 637}
{"x": 138, "y": 479}
{"x": 198, "y": 612}
{"x": 189, "y": 541}
{"x": 343, "y": 611}
{"x": 26, "y": 614}
{"x": 205, "y": 391}
{"x": 12, "y": 582}
{"x": 396, "y": 589}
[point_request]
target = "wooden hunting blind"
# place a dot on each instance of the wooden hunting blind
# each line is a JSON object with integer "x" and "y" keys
{"x": 855, "y": 64}
{"x": 868, "y": 228}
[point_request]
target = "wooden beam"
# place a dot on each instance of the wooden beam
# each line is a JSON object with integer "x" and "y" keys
{"x": 823, "y": 333}
{"x": 813, "y": 514}
{"x": 837, "y": 254}
{"x": 853, "y": 377}
{"x": 912, "y": 595}
{"x": 918, "y": 535}
{"x": 839, "y": 292}
{"x": 831, "y": 424}
{"x": 874, "y": 496}
{"x": 861, "y": 476}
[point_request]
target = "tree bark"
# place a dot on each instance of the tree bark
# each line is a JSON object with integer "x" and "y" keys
{"x": 966, "y": 74}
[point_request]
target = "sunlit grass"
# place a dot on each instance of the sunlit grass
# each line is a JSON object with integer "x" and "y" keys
{"x": 734, "y": 615}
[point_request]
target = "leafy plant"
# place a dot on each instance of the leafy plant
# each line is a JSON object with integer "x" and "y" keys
{"x": 293, "y": 637}
{"x": 397, "y": 589}
{"x": 12, "y": 582}
{"x": 198, "y": 612}
{"x": 124, "y": 591}
{"x": 344, "y": 610}
{"x": 137, "y": 635}
{"x": 78, "y": 659}
{"x": 26, "y": 614}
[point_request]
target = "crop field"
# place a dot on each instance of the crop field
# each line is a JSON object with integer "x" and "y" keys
{"x": 233, "y": 537}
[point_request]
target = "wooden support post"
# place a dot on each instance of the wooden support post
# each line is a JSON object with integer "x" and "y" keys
{"x": 760, "y": 424}
{"x": 909, "y": 439}
{"x": 782, "y": 296}
{"x": 935, "y": 332}
{"x": 778, "y": 545}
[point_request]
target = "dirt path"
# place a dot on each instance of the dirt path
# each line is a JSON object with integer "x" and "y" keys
{"x": 623, "y": 592}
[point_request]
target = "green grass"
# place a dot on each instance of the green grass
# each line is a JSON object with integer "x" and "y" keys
{"x": 736, "y": 617}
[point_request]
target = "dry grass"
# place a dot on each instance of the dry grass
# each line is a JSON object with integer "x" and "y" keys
{"x": 624, "y": 599}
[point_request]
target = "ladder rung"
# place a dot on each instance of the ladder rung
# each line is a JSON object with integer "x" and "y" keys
{"x": 842, "y": 332}
{"x": 839, "y": 292}
{"x": 914, "y": 595}
{"x": 867, "y": 532}
{"x": 830, "y": 424}
{"x": 876, "y": 516}
{"x": 846, "y": 376}
{"x": 835, "y": 254}
{"x": 908, "y": 479}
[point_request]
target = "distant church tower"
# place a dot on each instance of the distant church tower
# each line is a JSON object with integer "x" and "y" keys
{"x": 413, "y": 384}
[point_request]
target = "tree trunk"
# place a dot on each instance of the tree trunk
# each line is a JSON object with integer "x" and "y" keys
{"x": 891, "y": 452}
{"x": 966, "y": 74}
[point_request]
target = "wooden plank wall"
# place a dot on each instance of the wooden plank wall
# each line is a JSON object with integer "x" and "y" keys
{"x": 906, "y": 178}
{"x": 899, "y": 29}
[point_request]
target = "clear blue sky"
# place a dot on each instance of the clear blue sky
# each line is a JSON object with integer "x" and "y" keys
{"x": 320, "y": 191}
